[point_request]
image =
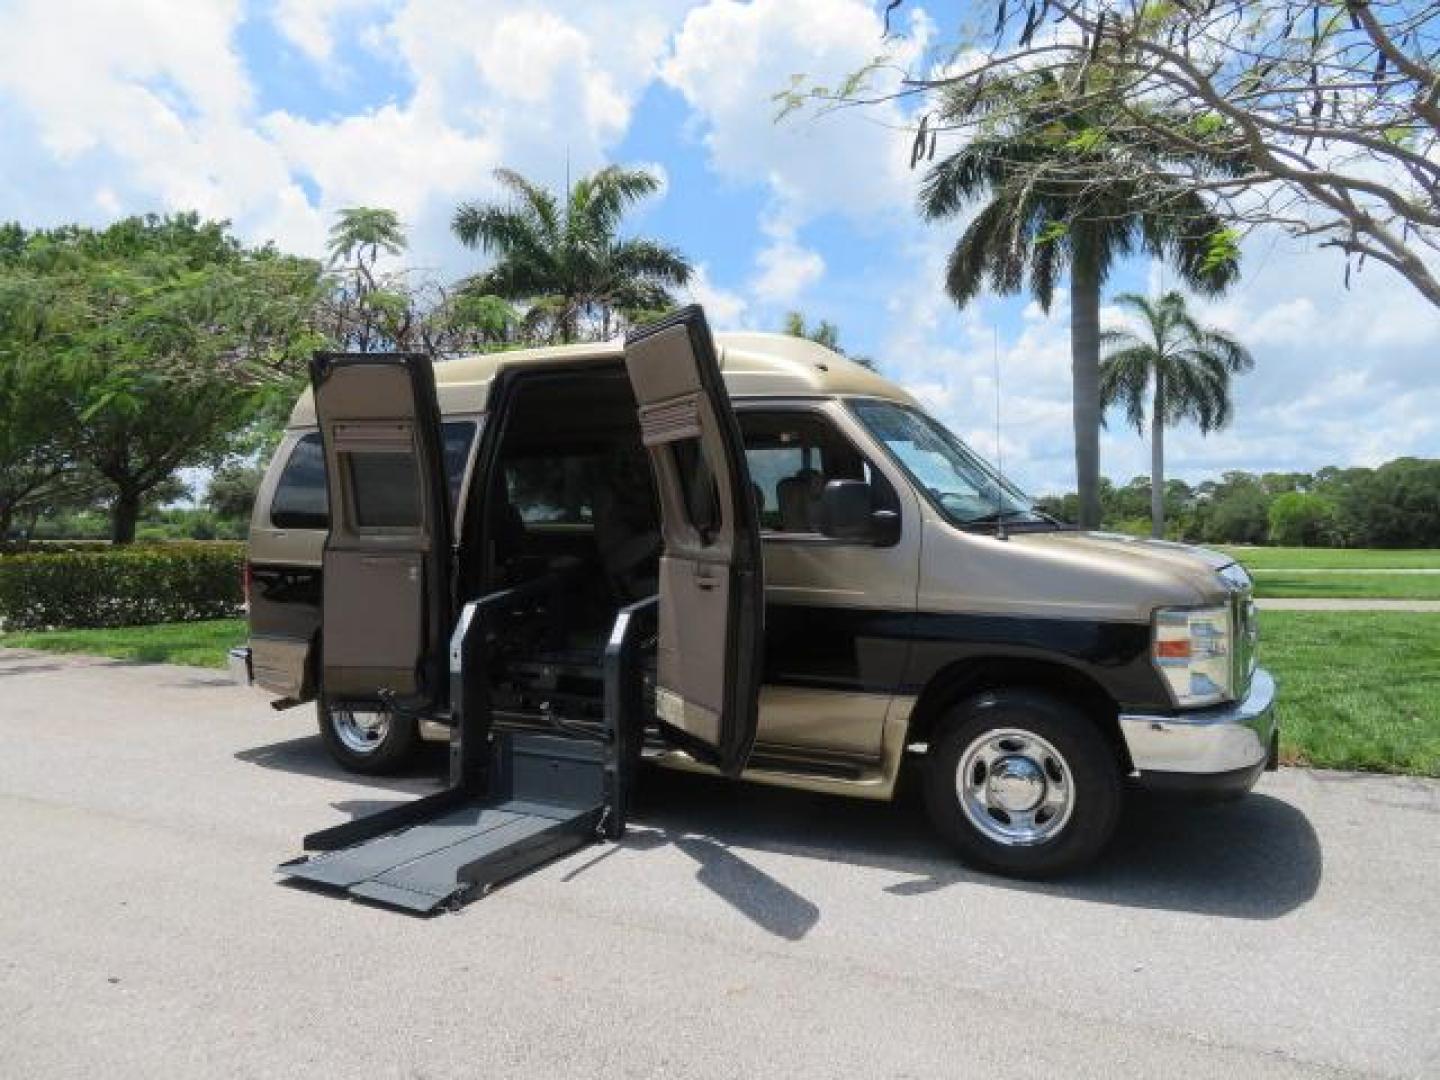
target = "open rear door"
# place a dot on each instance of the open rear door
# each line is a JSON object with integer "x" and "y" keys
{"x": 386, "y": 604}
{"x": 712, "y": 598}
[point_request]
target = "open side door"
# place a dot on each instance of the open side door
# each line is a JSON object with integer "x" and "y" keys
{"x": 712, "y": 598}
{"x": 386, "y": 585}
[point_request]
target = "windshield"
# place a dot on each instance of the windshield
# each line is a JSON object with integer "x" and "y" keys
{"x": 964, "y": 487}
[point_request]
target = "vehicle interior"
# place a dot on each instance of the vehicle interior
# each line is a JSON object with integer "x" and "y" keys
{"x": 570, "y": 501}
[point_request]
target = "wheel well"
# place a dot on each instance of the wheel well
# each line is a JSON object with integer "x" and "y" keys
{"x": 966, "y": 678}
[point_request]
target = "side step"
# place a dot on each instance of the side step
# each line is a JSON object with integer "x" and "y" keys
{"x": 456, "y": 849}
{"x": 516, "y": 800}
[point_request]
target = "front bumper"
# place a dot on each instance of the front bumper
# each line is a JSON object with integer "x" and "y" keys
{"x": 1220, "y": 750}
{"x": 241, "y": 670}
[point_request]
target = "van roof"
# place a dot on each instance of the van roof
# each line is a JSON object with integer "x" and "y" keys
{"x": 753, "y": 365}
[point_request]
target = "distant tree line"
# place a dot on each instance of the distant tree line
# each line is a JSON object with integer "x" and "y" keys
{"x": 1396, "y": 505}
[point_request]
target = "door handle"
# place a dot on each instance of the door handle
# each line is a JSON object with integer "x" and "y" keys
{"x": 704, "y": 576}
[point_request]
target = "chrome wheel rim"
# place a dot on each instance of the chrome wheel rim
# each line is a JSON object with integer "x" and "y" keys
{"x": 1015, "y": 787}
{"x": 360, "y": 732}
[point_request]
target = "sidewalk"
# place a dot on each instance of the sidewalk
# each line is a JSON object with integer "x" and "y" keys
{"x": 1332, "y": 604}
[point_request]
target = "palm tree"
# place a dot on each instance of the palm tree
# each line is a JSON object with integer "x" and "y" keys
{"x": 361, "y": 233}
{"x": 1070, "y": 185}
{"x": 822, "y": 333}
{"x": 1181, "y": 367}
{"x": 566, "y": 262}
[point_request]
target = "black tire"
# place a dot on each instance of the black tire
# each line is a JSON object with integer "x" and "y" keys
{"x": 1078, "y": 765}
{"x": 389, "y": 753}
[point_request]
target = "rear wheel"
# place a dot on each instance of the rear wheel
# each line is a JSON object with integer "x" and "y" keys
{"x": 1022, "y": 783}
{"x": 368, "y": 741}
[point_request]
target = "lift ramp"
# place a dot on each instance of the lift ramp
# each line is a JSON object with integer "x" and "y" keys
{"x": 516, "y": 800}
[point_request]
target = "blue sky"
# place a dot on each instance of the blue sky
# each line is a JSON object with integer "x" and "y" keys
{"x": 275, "y": 113}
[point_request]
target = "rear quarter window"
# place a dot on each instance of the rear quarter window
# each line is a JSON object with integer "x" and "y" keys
{"x": 301, "y": 495}
{"x": 302, "y": 498}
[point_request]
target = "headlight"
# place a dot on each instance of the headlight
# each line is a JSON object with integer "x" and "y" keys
{"x": 1191, "y": 647}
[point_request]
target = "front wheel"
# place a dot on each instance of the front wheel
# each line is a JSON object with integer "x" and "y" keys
{"x": 368, "y": 741}
{"x": 1022, "y": 783}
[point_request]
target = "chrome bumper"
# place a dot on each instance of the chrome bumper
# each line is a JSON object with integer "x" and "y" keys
{"x": 1238, "y": 738}
{"x": 241, "y": 670}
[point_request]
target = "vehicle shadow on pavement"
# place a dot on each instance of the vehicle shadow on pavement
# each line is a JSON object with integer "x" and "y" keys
{"x": 307, "y": 756}
{"x": 1256, "y": 858}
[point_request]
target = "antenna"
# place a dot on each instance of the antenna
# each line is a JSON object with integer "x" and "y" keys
{"x": 999, "y": 448}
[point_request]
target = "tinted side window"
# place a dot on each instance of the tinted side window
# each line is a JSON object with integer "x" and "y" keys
{"x": 455, "y": 439}
{"x": 301, "y": 498}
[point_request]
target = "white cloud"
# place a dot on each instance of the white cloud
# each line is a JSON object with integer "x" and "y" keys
{"x": 724, "y": 308}
{"x": 157, "y": 108}
{"x": 309, "y": 24}
{"x": 784, "y": 270}
{"x": 729, "y": 61}
{"x": 544, "y": 88}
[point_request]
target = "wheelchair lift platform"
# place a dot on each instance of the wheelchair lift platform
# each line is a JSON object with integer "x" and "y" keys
{"x": 516, "y": 800}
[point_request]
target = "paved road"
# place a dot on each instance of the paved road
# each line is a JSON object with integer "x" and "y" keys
{"x": 1337, "y": 604}
{"x": 737, "y": 932}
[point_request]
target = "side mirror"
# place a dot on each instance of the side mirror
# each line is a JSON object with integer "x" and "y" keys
{"x": 846, "y": 512}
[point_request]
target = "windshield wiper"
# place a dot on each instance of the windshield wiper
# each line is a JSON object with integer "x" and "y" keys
{"x": 995, "y": 516}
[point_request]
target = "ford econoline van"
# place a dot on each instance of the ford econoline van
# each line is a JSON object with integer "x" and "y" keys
{"x": 843, "y": 585}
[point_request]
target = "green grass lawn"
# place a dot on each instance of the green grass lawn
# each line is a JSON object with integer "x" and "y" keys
{"x": 1358, "y": 690}
{"x": 1269, "y": 583}
{"x": 1293, "y": 558}
{"x": 1280, "y": 572}
{"x": 199, "y": 644}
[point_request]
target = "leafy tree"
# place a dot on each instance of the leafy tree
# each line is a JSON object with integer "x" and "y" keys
{"x": 1301, "y": 520}
{"x": 1396, "y": 505}
{"x": 1059, "y": 190}
{"x": 232, "y": 488}
{"x": 1178, "y": 370}
{"x": 33, "y": 460}
{"x": 364, "y": 310}
{"x": 163, "y": 334}
{"x": 823, "y": 333}
{"x": 567, "y": 264}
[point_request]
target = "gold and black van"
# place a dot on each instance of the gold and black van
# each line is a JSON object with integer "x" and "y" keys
{"x": 842, "y": 584}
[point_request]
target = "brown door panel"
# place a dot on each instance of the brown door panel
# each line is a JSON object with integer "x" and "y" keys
{"x": 711, "y": 614}
{"x": 376, "y": 603}
{"x": 386, "y": 588}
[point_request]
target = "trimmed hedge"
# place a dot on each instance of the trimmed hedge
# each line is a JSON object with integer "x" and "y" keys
{"x": 132, "y": 586}
{"x": 51, "y": 547}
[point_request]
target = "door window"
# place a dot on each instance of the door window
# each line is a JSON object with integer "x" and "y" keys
{"x": 386, "y": 489}
{"x": 792, "y": 456}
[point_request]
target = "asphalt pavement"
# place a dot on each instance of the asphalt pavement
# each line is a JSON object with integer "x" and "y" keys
{"x": 736, "y": 932}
